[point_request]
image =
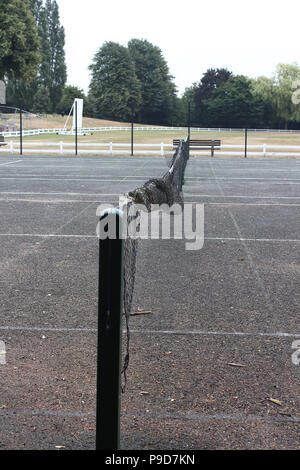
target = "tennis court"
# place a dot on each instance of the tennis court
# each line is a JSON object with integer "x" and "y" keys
{"x": 211, "y": 367}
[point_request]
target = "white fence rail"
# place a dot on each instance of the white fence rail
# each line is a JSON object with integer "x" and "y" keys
{"x": 87, "y": 130}
{"x": 262, "y": 150}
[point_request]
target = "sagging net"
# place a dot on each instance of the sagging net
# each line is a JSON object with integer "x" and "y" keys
{"x": 164, "y": 190}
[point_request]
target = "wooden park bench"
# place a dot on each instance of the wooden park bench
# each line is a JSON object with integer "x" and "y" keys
{"x": 2, "y": 140}
{"x": 206, "y": 144}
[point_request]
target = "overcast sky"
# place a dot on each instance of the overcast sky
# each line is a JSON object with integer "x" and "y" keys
{"x": 247, "y": 37}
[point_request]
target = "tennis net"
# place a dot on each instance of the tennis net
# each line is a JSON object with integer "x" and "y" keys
{"x": 164, "y": 190}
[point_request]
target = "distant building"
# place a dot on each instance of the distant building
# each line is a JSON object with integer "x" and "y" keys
{"x": 2, "y": 92}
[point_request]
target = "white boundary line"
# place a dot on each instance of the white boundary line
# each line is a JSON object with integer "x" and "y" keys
{"x": 10, "y": 163}
{"x": 228, "y": 196}
{"x": 118, "y": 194}
{"x": 156, "y": 332}
{"x": 193, "y": 184}
{"x": 58, "y": 235}
{"x": 60, "y": 193}
{"x": 98, "y": 201}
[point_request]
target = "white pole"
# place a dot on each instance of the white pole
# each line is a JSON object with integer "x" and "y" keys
{"x": 61, "y": 149}
{"x": 11, "y": 146}
{"x": 162, "y": 148}
{"x": 110, "y": 147}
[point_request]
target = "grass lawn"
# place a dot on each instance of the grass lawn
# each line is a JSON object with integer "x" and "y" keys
{"x": 156, "y": 137}
{"x": 147, "y": 137}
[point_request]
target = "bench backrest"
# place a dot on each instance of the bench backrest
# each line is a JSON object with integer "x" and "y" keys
{"x": 200, "y": 143}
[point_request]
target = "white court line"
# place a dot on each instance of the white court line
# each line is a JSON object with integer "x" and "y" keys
{"x": 73, "y": 176}
{"x": 229, "y": 178}
{"x": 259, "y": 280}
{"x": 275, "y": 181}
{"x": 138, "y": 177}
{"x": 278, "y": 181}
{"x": 231, "y": 196}
{"x": 10, "y": 163}
{"x": 59, "y": 235}
{"x": 96, "y": 201}
{"x": 156, "y": 332}
{"x": 60, "y": 193}
{"x": 271, "y": 240}
{"x": 88, "y": 179}
{"x": 63, "y": 201}
{"x": 118, "y": 194}
{"x": 249, "y": 204}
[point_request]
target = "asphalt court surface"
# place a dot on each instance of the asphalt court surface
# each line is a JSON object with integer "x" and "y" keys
{"x": 211, "y": 367}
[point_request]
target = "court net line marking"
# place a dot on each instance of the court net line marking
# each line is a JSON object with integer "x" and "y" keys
{"x": 155, "y": 332}
{"x": 97, "y": 201}
{"x": 278, "y": 181}
{"x": 59, "y": 235}
{"x": 31, "y": 193}
{"x": 10, "y": 163}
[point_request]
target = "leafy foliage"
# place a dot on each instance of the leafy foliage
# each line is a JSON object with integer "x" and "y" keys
{"x": 157, "y": 89}
{"x": 19, "y": 44}
{"x": 69, "y": 94}
{"x": 114, "y": 87}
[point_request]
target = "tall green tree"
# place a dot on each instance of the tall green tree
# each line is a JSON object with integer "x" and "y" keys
{"x": 284, "y": 78}
{"x": 114, "y": 88}
{"x": 159, "y": 100}
{"x": 19, "y": 44}
{"x": 234, "y": 105}
{"x": 212, "y": 80}
{"x": 51, "y": 74}
{"x": 53, "y": 71}
{"x": 41, "y": 100}
{"x": 264, "y": 89}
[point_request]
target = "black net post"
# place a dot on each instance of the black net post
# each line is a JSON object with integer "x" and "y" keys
{"x": 189, "y": 127}
{"x": 21, "y": 130}
{"x": 246, "y": 136}
{"x": 109, "y": 331}
{"x": 76, "y": 139}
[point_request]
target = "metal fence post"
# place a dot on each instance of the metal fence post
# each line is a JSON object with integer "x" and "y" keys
{"x": 76, "y": 143}
{"x": 132, "y": 137}
{"x": 21, "y": 131}
{"x": 109, "y": 331}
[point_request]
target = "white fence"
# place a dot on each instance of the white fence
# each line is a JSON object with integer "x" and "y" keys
{"x": 87, "y": 130}
{"x": 262, "y": 150}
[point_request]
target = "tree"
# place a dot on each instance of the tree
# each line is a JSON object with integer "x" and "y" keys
{"x": 52, "y": 70}
{"x": 114, "y": 87}
{"x": 286, "y": 75}
{"x": 212, "y": 80}
{"x": 234, "y": 105}
{"x": 264, "y": 89}
{"x": 19, "y": 44}
{"x": 159, "y": 103}
{"x": 41, "y": 101}
{"x": 69, "y": 94}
